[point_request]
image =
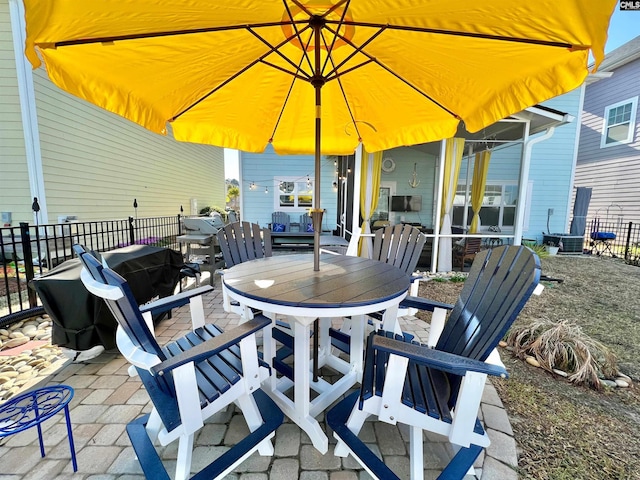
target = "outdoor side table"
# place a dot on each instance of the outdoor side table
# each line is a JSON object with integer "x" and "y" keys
{"x": 34, "y": 407}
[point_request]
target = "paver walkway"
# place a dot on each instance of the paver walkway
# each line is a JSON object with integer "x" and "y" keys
{"x": 106, "y": 399}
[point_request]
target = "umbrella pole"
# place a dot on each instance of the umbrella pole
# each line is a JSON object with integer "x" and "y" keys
{"x": 317, "y": 81}
{"x": 316, "y": 213}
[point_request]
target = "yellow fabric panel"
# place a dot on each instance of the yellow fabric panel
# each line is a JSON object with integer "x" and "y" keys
{"x": 454, "y": 148}
{"x": 220, "y": 84}
{"x": 480, "y": 169}
{"x": 369, "y": 182}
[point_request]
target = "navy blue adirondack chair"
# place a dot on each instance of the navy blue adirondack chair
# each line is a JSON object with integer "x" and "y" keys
{"x": 400, "y": 246}
{"x": 243, "y": 241}
{"x": 189, "y": 379}
{"x": 439, "y": 389}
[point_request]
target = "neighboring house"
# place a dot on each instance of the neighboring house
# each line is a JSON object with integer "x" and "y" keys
{"x": 80, "y": 160}
{"x": 609, "y": 147}
{"x": 267, "y": 178}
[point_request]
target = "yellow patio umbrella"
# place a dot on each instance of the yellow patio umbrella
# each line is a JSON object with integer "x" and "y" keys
{"x": 315, "y": 75}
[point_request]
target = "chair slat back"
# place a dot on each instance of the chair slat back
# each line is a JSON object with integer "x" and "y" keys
{"x": 472, "y": 245}
{"x": 282, "y": 218}
{"x": 125, "y": 309}
{"x": 399, "y": 245}
{"x": 243, "y": 241}
{"x": 305, "y": 221}
{"x": 500, "y": 282}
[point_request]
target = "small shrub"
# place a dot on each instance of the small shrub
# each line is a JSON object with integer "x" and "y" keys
{"x": 539, "y": 250}
{"x": 457, "y": 278}
{"x": 565, "y": 347}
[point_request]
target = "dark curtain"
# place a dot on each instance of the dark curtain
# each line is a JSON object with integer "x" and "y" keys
{"x": 580, "y": 209}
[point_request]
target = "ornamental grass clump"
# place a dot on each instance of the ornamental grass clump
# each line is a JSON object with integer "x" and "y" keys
{"x": 564, "y": 347}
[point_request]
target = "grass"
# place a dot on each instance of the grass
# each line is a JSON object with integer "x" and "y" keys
{"x": 563, "y": 430}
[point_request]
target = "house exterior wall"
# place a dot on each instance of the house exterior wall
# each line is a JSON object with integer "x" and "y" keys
{"x": 550, "y": 177}
{"x": 14, "y": 177}
{"x": 426, "y": 167}
{"x": 613, "y": 173}
{"x": 265, "y": 169}
{"x": 552, "y": 169}
{"x": 95, "y": 163}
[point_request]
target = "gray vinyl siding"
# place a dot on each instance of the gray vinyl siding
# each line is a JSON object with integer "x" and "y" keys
{"x": 95, "y": 163}
{"x": 14, "y": 178}
{"x": 613, "y": 173}
{"x": 613, "y": 182}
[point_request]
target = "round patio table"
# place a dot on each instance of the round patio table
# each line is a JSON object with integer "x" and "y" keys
{"x": 287, "y": 285}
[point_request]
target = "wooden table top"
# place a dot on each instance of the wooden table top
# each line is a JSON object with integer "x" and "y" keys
{"x": 342, "y": 281}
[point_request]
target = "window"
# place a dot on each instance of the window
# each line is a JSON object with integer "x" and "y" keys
{"x": 498, "y": 206}
{"x": 293, "y": 193}
{"x": 619, "y": 123}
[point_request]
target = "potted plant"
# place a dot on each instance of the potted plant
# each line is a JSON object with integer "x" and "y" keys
{"x": 553, "y": 247}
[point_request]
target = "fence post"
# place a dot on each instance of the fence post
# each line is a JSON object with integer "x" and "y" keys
{"x": 628, "y": 242}
{"x": 179, "y": 224}
{"x": 132, "y": 236}
{"x": 27, "y": 256}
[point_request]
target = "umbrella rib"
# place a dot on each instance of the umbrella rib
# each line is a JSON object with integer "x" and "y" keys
{"x": 169, "y": 33}
{"x": 344, "y": 96}
{"x": 403, "y": 80}
{"x": 232, "y": 77}
{"x": 304, "y": 77}
{"x": 335, "y": 36}
{"x": 276, "y": 50}
{"x": 303, "y": 7}
{"x": 355, "y": 51}
{"x": 485, "y": 36}
{"x": 297, "y": 33}
{"x": 284, "y": 104}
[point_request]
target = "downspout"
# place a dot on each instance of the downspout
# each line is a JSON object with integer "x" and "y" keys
{"x": 524, "y": 178}
{"x": 576, "y": 147}
{"x": 27, "y": 97}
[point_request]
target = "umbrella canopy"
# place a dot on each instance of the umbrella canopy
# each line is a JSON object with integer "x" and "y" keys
{"x": 317, "y": 76}
{"x": 241, "y": 74}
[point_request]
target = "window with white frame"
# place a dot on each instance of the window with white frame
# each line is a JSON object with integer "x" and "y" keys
{"x": 498, "y": 205}
{"x": 293, "y": 193}
{"x": 619, "y": 123}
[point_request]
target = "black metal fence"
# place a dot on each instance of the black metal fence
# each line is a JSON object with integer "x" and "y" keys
{"x": 615, "y": 239}
{"x": 28, "y": 251}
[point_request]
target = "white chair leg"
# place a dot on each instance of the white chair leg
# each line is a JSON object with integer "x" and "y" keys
{"x": 183, "y": 463}
{"x": 416, "y": 456}
{"x": 154, "y": 424}
{"x": 355, "y": 423}
{"x": 254, "y": 420}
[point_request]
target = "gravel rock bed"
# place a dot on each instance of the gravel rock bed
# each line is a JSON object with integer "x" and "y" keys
{"x": 20, "y": 367}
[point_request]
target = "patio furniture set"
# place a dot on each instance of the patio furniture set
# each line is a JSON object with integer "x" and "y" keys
{"x": 200, "y": 374}
{"x": 282, "y": 297}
